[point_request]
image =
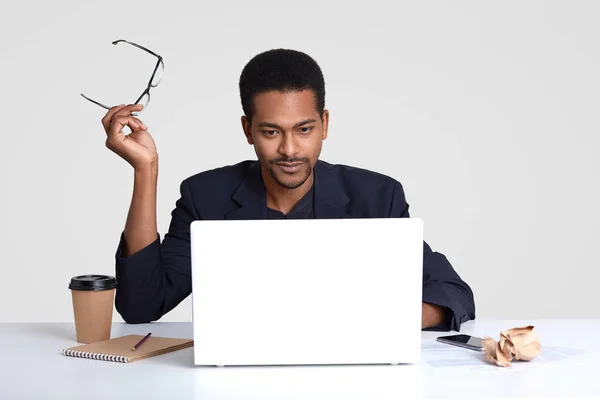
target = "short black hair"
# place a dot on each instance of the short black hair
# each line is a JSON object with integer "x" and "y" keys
{"x": 281, "y": 70}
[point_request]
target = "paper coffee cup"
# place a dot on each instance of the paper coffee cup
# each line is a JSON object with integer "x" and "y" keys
{"x": 93, "y": 299}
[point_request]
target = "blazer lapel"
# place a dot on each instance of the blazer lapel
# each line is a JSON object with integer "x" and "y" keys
{"x": 331, "y": 200}
{"x": 250, "y": 196}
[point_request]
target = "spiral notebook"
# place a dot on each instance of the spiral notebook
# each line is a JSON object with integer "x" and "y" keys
{"x": 119, "y": 349}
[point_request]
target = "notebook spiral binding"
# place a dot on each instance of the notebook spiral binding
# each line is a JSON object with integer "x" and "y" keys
{"x": 95, "y": 356}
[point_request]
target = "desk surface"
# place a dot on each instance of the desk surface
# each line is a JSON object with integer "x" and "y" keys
{"x": 33, "y": 367}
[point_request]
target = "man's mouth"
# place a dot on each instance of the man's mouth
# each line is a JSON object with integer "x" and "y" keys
{"x": 290, "y": 167}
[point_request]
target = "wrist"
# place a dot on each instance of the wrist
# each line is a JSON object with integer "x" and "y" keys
{"x": 147, "y": 169}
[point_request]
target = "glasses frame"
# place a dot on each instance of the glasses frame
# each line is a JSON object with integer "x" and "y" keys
{"x": 150, "y": 85}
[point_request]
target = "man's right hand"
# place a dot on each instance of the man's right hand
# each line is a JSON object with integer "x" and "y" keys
{"x": 137, "y": 148}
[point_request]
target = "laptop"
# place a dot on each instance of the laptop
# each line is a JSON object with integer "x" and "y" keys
{"x": 307, "y": 292}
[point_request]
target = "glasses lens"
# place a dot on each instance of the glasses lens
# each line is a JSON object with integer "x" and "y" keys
{"x": 143, "y": 101}
{"x": 158, "y": 75}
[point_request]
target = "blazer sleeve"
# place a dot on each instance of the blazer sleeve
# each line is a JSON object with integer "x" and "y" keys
{"x": 442, "y": 286}
{"x": 155, "y": 279}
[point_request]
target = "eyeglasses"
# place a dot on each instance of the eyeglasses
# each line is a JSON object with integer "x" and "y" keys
{"x": 155, "y": 79}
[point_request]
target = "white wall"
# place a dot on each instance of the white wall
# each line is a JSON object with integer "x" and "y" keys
{"x": 487, "y": 112}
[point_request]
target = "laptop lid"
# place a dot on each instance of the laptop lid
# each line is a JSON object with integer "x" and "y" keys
{"x": 315, "y": 291}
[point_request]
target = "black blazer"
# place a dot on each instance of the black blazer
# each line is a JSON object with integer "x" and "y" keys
{"x": 154, "y": 280}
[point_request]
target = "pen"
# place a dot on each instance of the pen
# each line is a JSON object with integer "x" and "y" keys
{"x": 141, "y": 341}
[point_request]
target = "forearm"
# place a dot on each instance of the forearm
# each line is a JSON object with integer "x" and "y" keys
{"x": 141, "y": 227}
{"x": 153, "y": 280}
{"x": 432, "y": 315}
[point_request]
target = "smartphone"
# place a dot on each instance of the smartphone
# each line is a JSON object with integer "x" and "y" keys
{"x": 466, "y": 341}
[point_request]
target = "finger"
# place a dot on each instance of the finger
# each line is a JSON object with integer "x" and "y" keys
{"x": 137, "y": 108}
{"x": 109, "y": 115}
{"x": 140, "y": 125}
{"x": 123, "y": 110}
{"x": 144, "y": 126}
{"x": 128, "y": 109}
{"x": 118, "y": 123}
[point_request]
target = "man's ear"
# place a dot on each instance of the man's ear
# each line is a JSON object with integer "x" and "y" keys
{"x": 246, "y": 127}
{"x": 325, "y": 121}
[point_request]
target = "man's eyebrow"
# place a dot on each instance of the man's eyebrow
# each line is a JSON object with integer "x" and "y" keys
{"x": 298, "y": 125}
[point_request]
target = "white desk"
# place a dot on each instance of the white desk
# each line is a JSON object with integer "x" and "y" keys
{"x": 32, "y": 366}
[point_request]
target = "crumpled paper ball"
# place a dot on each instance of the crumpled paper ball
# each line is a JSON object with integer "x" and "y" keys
{"x": 518, "y": 343}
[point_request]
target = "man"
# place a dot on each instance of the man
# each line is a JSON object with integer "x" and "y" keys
{"x": 283, "y": 99}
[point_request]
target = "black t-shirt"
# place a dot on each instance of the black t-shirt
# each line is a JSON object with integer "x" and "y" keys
{"x": 304, "y": 209}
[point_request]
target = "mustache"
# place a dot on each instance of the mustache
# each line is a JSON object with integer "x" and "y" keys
{"x": 289, "y": 160}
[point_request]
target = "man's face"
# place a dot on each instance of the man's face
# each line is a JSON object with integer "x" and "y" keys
{"x": 287, "y": 133}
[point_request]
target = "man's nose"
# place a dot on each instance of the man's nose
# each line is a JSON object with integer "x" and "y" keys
{"x": 289, "y": 145}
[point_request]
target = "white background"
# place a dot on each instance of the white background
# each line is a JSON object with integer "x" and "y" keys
{"x": 487, "y": 112}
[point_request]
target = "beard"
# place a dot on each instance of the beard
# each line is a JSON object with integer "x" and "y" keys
{"x": 296, "y": 182}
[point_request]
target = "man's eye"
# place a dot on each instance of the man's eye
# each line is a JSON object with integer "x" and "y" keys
{"x": 269, "y": 133}
{"x": 306, "y": 129}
